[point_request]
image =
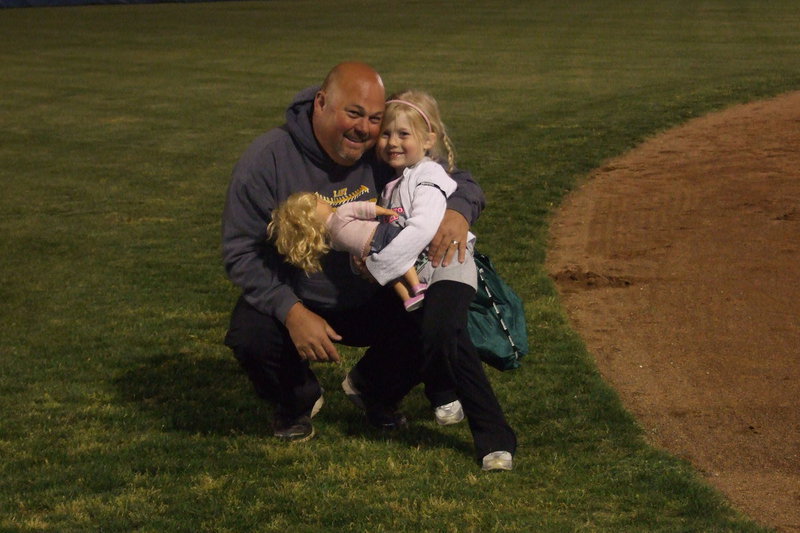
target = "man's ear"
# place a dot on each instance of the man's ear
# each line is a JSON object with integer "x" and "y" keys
{"x": 319, "y": 100}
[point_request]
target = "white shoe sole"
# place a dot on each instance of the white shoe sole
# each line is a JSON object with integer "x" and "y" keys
{"x": 317, "y": 406}
{"x": 352, "y": 393}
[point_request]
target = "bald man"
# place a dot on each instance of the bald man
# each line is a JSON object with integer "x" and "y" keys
{"x": 285, "y": 318}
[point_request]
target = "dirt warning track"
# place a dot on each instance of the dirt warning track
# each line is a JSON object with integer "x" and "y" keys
{"x": 679, "y": 265}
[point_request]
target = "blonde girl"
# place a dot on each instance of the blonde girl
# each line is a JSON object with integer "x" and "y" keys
{"x": 305, "y": 227}
{"x": 415, "y": 143}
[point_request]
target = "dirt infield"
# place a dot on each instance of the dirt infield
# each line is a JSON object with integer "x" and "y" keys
{"x": 679, "y": 266}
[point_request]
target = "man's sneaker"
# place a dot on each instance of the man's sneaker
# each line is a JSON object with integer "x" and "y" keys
{"x": 293, "y": 429}
{"x": 449, "y": 413}
{"x": 498, "y": 461}
{"x": 384, "y": 418}
{"x": 352, "y": 392}
{"x": 377, "y": 415}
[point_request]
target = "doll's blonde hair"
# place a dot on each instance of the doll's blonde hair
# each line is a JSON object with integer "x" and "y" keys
{"x": 417, "y": 106}
{"x": 299, "y": 236}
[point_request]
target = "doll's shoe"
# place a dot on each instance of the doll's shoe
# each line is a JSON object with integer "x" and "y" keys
{"x": 419, "y": 288}
{"x": 498, "y": 461}
{"x": 414, "y": 303}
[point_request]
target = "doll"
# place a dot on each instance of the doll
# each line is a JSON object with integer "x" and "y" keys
{"x": 305, "y": 227}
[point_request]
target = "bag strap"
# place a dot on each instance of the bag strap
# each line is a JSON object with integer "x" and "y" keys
{"x": 496, "y": 310}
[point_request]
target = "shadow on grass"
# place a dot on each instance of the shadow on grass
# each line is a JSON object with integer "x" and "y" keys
{"x": 195, "y": 394}
{"x": 213, "y": 396}
{"x": 421, "y": 431}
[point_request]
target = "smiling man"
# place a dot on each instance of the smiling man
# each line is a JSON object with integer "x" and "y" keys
{"x": 347, "y": 112}
{"x": 285, "y": 318}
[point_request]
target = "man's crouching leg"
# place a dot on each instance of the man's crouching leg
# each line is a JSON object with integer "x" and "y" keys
{"x": 264, "y": 350}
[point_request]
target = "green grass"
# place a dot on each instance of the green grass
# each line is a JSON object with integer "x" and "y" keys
{"x": 120, "y": 410}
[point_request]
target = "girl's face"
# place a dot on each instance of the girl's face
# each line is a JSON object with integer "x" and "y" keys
{"x": 399, "y": 146}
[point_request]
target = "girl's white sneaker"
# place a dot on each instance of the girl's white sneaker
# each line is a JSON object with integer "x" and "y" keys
{"x": 498, "y": 461}
{"x": 449, "y": 413}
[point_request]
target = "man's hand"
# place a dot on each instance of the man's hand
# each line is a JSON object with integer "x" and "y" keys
{"x": 312, "y": 335}
{"x": 451, "y": 237}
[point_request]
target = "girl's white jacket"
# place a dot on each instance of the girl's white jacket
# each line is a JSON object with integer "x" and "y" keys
{"x": 420, "y": 198}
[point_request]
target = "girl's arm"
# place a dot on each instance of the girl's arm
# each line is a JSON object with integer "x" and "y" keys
{"x": 427, "y": 209}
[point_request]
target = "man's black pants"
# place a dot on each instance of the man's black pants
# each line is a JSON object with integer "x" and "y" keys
{"x": 388, "y": 370}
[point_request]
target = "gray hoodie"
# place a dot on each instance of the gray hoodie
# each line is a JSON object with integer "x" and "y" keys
{"x": 286, "y": 160}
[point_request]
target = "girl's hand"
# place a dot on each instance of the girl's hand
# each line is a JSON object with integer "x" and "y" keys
{"x": 451, "y": 237}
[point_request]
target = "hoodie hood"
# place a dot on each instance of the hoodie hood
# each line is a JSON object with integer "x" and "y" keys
{"x": 298, "y": 123}
{"x": 300, "y": 128}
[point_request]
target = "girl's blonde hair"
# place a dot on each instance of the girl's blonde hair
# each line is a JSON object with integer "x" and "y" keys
{"x": 298, "y": 234}
{"x": 442, "y": 150}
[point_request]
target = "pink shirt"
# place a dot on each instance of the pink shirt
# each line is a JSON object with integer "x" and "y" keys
{"x": 352, "y": 226}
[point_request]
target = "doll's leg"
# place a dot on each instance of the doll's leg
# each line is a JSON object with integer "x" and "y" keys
{"x": 401, "y": 289}
{"x": 413, "y": 282}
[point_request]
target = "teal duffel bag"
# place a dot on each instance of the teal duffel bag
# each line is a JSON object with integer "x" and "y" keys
{"x": 496, "y": 319}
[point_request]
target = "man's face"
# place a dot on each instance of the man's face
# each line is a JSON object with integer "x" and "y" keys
{"x": 347, "y": 119}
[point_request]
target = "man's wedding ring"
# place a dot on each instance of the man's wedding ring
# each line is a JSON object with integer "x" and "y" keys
{"x": 455, "y": 243}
